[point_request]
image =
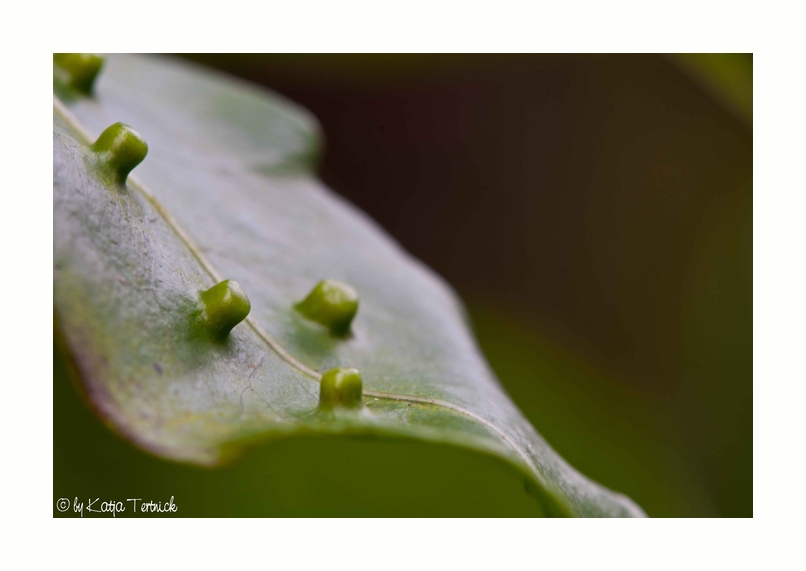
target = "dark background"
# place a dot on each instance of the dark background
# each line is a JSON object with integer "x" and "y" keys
{"x": 595, "y": 214}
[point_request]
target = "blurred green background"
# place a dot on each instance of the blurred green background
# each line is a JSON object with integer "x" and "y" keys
{"x": 595, "y": 214}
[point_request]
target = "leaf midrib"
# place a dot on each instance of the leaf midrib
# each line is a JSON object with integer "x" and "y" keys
{"x": 85, "y": 138}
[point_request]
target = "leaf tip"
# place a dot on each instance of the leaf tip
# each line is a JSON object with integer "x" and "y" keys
{"x": 120, "y": 148}
{"x": 79, "y": 71}
{"x": 331, "y": 303}
{"x": 224, "y": 306}
{"x": 340, "y": 387}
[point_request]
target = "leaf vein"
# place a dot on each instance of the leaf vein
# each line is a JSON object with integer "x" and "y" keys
{"x": 85, "y": 137}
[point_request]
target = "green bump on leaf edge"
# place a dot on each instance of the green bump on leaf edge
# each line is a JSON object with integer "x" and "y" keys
{"x": 340, "y": 387}
{"x": 331, "y": 303}
{"x": 79, "y": 71}
{"x": 224, "y": 306}
{"x": 119, "y": 149}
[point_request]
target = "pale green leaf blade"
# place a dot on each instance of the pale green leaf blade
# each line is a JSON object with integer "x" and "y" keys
{"x": 226, "y": 193}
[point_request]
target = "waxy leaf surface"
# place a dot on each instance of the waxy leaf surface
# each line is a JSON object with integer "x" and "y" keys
{"x": 227, "y": 191}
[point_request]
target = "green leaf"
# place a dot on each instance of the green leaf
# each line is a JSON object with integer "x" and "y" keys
{"x": 160, "y": 344}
